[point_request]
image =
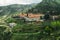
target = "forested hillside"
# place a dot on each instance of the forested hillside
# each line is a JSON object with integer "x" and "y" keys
{"x": 52, "y": 6}
{"x": 11, "y": 9}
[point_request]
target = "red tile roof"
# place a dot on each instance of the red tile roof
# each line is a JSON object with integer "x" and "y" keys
{"x": 31, "y": 15}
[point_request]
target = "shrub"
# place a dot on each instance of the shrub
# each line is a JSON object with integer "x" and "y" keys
{"x": 4, "y": 35}
{"x": 10, "y": 20}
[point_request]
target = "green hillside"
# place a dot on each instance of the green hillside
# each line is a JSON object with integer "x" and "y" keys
{"x": 18, "y": 29}
{"x": 9, "y": 10}
{"x": 4, "y": 10}
{"x": 43, "y": 7}
{"x": 58, "y": 1}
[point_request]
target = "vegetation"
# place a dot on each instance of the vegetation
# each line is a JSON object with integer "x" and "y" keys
{"x": 4, "y": 35}
{"x": 15, "y": 8}
{"x": 47, "y": 30}
{"x": 52, "y": 6}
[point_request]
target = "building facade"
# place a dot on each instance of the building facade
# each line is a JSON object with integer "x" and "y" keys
{"x": 32, "y": 17}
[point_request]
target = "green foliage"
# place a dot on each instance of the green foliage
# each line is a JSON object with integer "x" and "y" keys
{"x": 55, "y": 23}
{"x": 43, "y": 7}
{"x": 47, "y": 16}
{"x": 10, "y": 20}
{"x": 25, "y": 36}
{"x": 1, "y": 32}
{"x": 47, "y": 30}
{"x": 26, "y": 28}
{"x": 12, "y": 9}
{"x": 4, "y": 35}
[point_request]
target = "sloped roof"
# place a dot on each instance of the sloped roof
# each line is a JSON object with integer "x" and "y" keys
{"x": 31, "y": 15}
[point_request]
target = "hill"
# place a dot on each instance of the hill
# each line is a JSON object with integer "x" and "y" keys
{"x": 14, "y": 8}
{"x": 46, "y": 5}
{"x": 58, "y": 1}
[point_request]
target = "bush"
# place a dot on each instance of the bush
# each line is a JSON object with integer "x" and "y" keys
{"x": 10, "y": 20}
{"x": 2, "y": 32}
{"x": 4, "y": 35}
{"x": 23, "y": 36}
{"x": 30, "y": 28}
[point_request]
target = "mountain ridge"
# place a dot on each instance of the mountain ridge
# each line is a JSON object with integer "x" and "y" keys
{"x": 43, "y": 7}
{"x": 11, "y": 9}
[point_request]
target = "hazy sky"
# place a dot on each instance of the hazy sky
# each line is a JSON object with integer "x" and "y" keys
{"x": 7, "y": 2}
